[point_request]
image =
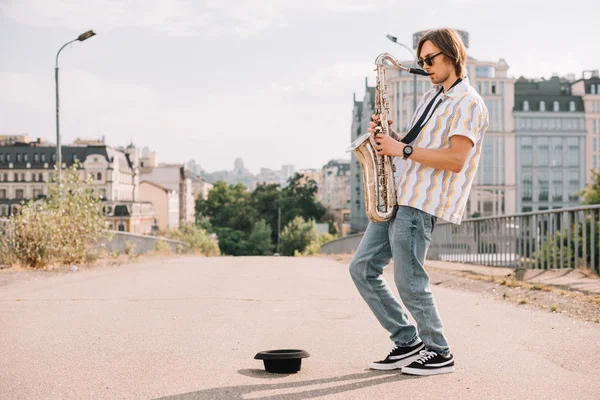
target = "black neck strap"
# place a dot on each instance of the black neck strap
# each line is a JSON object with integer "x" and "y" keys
{"x": 416, "y": 129}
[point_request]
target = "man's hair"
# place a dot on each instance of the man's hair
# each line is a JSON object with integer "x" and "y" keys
{"x": 449, "y": 43}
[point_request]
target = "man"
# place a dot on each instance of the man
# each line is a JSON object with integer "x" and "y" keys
{"x": 433, "y": 178}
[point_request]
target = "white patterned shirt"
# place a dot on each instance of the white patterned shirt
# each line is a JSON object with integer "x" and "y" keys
{"x": 443, "y": 193}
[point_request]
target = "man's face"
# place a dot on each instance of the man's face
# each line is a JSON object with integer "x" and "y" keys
{"x": 441, "y": 67}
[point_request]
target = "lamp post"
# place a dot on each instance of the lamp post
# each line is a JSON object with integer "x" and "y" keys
{"x": 395, "y": 40}
{"x": 80, "y": 38}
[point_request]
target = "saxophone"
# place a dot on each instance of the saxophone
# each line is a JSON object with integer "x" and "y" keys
{"x": 378, "y": 171}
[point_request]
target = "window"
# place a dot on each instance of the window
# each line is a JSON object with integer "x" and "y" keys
{"x": 543, "y": 186}
{"x": 22, "y": 177}
{"x": 493, "y": 88}
{"x": 33, "y": 177}
{"x": 542, "y": 105}
{"x": 41, "y": 177}
{"x": 8, "y": 158}
{"x": 573, "y": 185}
{"x": 16, "y": 177}
{"x": 556, "y": 151}
{"x": 573, "y": 152}
{"x": 525, "y": 105}
{"x": 19, "y": 193}
{"x": 1, "y": 157}
{"x": 19, "y": 157}
{"x": 527, "y": 194}
{"x": 5, "y": 177}
{"x": 3, "y": 210}
{"x": 37, "y": 193}
{"x": 571, "y": 106}
{"x": 25, "y": 157}
{"x": 74, "y": 157}
{"x": 527, "y": 148}
{"x": 557, "y": 189}
{"x": 43, "y": 157}
{"x": 99, "y": 176}
{"x": 53, "y": 157}
{"x": 2, "y": 193}
{"x": 593, "y": 89}
{"x": 542, "y": 151}
{"x": 555, "y": 106}
{"x": 36, "y": 157}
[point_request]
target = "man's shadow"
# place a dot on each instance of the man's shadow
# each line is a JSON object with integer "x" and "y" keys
{"x": 238, "y": 392}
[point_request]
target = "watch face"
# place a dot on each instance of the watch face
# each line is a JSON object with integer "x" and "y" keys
{"x": 407, "y": 150}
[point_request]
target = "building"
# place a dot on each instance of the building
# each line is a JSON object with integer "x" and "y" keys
{"x": 175, "y": 177}
{"x": 551, "y": 141}
{"x": 200, "y": 187}
{"x": 315, "y": 175}
{"x": 494, "y": 189}
{"x": 166, "y": 205}
{"x": 335, "y": 189}
{"x": 588, "y": 87}
{"x": 27, "y": 167}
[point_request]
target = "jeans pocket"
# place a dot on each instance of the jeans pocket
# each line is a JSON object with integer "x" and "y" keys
{"x": 433, "y": 221}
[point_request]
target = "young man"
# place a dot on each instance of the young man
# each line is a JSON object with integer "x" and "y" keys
{"x": 433, "y": 179}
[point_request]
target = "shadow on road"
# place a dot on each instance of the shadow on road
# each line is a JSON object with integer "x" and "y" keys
{"x": 239, "y": 392}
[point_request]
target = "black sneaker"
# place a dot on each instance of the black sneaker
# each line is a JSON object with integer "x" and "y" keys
{"x": 430, "y": 363}
{"x": 399, "y": 357}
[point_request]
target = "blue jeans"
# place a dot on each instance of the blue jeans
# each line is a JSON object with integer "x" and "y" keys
{"x": 405, "y": 238}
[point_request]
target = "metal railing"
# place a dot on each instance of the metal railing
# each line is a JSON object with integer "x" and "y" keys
{"x": 561, "y": 238}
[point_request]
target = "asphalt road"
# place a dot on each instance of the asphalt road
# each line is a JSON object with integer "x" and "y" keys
{"x": 189, "y": 327}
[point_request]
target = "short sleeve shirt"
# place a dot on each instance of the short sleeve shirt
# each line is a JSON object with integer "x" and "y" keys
{"x": 439, "y": 192}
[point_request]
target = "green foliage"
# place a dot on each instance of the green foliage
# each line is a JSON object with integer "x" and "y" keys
{"x": 545, "y": 253}
{"x": 591, "y": 194}
{"x": 64, "y": 227}
{"x": 297, "y": 235}
{"x": 314, "y": 247}
{"x": 260, "y": 239}
{"x": 233, "y": 242}
{"x": 195, "y": 240}
{"x": 235, "y": 214}
{"x": 162, "y": 247}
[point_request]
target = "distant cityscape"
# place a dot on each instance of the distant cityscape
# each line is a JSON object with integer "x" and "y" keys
{"x": 540, "y": 149}
{"x": 140, "y": 194}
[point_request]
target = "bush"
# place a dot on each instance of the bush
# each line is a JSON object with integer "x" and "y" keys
{"x": 314, "y": 247}
{"x": 297, "y": 235}
{"x": 64, "y": 227}
{"x": 196, "y": 240}
{"x": 260, "y": 239}
{"x": 160, "y": 246}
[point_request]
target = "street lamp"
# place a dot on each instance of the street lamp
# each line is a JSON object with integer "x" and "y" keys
{"x": 395, "y": 40}
{"x": 80, "y": 38}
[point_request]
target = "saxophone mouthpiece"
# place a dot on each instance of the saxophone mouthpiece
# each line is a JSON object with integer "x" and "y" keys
{"x": 418, "y": 71}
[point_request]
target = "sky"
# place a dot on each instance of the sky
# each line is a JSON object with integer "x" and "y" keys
{"x": 268, "y": 81}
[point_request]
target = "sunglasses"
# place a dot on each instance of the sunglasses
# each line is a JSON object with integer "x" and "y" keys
{"x": 428, "y": 60}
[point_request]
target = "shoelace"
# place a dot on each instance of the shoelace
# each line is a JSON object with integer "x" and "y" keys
{"x": 426, "y": 355}
{"x": 393, "y": 350}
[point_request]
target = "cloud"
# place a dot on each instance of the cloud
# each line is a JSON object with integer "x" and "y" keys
{"x": 176, "y": 17}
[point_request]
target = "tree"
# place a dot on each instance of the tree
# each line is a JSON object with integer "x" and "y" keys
{"x": 297, "y": 235}
{"x": 260, "y": 241}
{"x": 591, "y": 194}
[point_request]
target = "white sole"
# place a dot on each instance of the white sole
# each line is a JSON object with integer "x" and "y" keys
{"x": 397, "y": 365}
{"x": 427, "y": 372}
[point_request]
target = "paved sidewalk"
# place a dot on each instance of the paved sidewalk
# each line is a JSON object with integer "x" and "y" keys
{"x": 569, "y": 279}
{"x": 189, "y": 327}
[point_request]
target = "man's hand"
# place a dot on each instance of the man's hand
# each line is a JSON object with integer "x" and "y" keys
{"x": 386, "y": 145}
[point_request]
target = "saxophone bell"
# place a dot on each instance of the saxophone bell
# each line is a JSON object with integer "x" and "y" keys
{"x": 378, "y": 171}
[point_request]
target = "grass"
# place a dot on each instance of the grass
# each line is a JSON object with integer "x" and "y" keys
{"x": 553, "y": 308}
{"x": 523, "y": 301}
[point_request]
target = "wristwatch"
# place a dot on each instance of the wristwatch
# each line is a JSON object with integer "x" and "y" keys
{"x": 407, "y": 151}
